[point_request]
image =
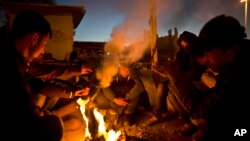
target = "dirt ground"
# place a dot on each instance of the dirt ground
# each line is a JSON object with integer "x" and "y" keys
{"x": 163, "y": 131}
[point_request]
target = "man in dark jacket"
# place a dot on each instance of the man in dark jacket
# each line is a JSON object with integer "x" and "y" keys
{"x": 123, "y": 93}
{"x": 223, "y": 48}
{"x": 181, "y": 73}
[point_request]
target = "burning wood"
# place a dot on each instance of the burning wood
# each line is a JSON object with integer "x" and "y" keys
{"x": 102, "y": 133}
{"x": 82, "y": 104}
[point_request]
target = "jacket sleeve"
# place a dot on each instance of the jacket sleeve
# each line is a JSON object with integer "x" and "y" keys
{"x": 138, "y": 87}
{"x": 47, "y": 71}
{"x": 51, "y": 89}
{"x": 109, "y": 93}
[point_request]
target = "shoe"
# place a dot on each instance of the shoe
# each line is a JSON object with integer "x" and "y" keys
{"x": 151, "y": 121}
{"x": 155, "y": 117}
{"x": 168, "y": 115}
{"x": 199, "y": 135}
{"x": 188, "y": 129}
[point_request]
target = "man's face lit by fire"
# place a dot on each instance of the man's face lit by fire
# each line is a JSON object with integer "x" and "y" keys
{"x": 38, "y": 46}
{"x": 215, "y": 59}
{"x": 184, "y": 44}
{"x": 124, "y": 71}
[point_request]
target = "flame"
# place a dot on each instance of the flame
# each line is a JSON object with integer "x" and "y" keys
{"x": 82, "y": 104}
{"x": 108, "y": 136}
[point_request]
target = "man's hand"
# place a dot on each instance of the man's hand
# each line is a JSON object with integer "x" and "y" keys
{"x": 82, "y": 92}
{"x": 86, "y": 69}
{"x": 120, "y": 102}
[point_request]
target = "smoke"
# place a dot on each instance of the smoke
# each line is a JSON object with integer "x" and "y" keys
{"x": 101, "y": 15}
{"x": 128, "y": 42}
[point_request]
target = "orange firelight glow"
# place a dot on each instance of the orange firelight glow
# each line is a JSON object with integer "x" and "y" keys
{"x": 82, "y": 104}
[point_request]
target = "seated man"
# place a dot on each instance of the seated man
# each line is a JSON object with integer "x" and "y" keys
{"x": 123, "y": 93}
{"x": 29, "y": 35}
{"x": 53, "y": 94}
{"x": 182, "y": 72}
{"x": 223, "y": 48}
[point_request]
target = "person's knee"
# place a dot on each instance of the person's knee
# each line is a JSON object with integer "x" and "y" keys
{"x": 52, "y": 127}
{"x": 72, "y": 124}
{"x": 40, "y": 100}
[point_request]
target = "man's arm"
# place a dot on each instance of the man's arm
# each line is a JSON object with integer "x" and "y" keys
{"x": 46, "y": 71}
{"x": 52, "y": 89}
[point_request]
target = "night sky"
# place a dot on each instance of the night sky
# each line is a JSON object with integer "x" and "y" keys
{"x": 102, "y": 17}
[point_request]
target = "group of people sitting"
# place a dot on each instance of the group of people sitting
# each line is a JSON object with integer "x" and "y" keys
{"x": 205, "y": 84}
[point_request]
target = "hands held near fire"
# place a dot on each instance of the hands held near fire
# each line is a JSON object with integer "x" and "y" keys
{"x": 81, "y": 92}
{"x": 86, "y": 69}
{"x": 121, "y": 101}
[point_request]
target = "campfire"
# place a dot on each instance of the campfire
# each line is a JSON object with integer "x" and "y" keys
{"x": 102, "y": 133}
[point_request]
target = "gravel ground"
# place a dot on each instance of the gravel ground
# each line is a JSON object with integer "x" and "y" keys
{"x": 163, "y": 131}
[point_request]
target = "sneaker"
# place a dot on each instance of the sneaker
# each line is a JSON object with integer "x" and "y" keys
{"x": 155, "y": 117}
{"x": 150, "y": 121}
{"x": 168, "y": 115}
